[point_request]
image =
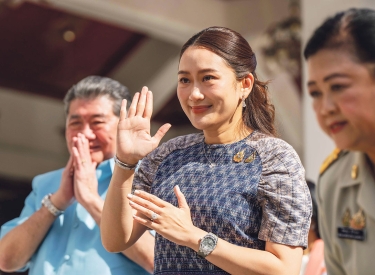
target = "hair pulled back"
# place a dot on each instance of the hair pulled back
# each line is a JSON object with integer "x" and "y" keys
{"x": 237, "y": 53}
{"x": 352, "y": 30}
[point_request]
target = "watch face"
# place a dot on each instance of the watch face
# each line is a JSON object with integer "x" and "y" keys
{"x": 208, "y": 244}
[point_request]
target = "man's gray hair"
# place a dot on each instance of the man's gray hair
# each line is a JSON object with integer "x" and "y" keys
{"x": 94, "y": 86}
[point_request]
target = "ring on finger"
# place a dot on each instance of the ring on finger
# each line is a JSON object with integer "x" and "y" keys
{"x": 154, "y": 216}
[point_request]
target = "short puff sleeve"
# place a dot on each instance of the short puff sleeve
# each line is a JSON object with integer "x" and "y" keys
{"x": 283, "y": 195}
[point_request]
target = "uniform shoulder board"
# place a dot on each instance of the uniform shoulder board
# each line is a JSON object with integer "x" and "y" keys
{"x": 329, "y": 160}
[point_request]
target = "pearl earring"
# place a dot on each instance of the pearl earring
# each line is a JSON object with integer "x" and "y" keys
{"x": 243, "y": 102}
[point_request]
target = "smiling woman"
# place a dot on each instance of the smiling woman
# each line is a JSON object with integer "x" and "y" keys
{"x": 341, "y": 82}
{"x": 232, "y": 199}
{"x": 203, "y": 85}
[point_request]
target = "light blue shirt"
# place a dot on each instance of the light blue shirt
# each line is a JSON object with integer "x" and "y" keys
{"x": 73, "y": 245}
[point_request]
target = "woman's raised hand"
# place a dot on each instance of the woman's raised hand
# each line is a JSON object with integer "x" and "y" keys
{"x": 134, "y": 140}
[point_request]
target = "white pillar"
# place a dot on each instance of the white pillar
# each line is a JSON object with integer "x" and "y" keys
{"x": 317, "y": 146}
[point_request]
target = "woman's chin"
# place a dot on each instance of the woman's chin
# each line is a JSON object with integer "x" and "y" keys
{"x": 345, "y": 145}
{"x": 198, "y": 124}
{"x": 198, "y": 127}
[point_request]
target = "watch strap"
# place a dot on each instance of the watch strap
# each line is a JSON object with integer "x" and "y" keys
{"x": 201, "y": 254}
{"x": 46, "y": 202}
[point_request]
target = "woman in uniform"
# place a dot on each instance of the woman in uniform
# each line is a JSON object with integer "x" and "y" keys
{"x": 341, "y": 81}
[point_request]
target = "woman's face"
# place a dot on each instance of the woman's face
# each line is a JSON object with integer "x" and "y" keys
{"x": 208, "y": 91}
{"x": 343, "y": 93}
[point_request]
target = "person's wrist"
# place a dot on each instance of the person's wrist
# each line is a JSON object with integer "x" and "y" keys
{"x": 193, "y": 238}
{"x": 47, "y": 203}
{"x": 125, "y": 165}
{"x": 207, "y": 244}
{"x": 59, "y": 202}
{"x": 131, "y": 161}
{"x": 92, "y": 201}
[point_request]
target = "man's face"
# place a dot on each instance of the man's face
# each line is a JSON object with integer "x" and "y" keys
{"x": 94, "y": 118}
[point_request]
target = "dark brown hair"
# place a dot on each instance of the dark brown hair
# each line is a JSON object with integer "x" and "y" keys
{"x": 237, "y": 53}
{"x": 352, "y": 30}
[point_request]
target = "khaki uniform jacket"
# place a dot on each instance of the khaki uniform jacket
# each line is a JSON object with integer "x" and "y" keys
{"x": 342, "y": 187}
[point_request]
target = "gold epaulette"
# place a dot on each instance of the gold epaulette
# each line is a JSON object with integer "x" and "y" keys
{"x": 329, "y": 160}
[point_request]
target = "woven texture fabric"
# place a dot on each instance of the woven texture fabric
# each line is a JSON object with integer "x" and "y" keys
{"x": 244, "y": 203}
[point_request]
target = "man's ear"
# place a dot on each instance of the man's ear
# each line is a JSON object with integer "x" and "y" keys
{"x": 247, "y": 85}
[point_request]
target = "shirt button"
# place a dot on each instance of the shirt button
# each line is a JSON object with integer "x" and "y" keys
{"x": 66, "y": 257}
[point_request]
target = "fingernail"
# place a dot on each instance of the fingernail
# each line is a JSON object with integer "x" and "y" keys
{"x": 137, "y": 192}
{"x": 131, "y": 203}
{"x": 178, "y": 188}
{"x": 130, "y": 196}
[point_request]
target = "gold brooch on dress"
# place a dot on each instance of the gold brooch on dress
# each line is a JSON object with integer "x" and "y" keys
{"x": 239, "y": 156}
{"x": 250, "y": 158}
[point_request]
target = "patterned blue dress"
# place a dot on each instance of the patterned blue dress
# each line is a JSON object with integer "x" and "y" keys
{"x": 262, "y": 198}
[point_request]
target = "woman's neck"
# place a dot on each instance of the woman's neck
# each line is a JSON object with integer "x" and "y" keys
{"x": 228, "y": 136}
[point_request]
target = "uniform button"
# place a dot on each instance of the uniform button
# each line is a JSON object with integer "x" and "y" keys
{"x": 66, "y": 257}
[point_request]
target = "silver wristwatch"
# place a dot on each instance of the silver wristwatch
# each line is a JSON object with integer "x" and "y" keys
{"x": 207, "y": 244}
{"x": 46, "y": 201}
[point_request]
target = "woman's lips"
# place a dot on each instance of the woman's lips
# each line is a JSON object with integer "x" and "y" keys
{"x": 337, "y": 127}
{"x": 199, "y": 109}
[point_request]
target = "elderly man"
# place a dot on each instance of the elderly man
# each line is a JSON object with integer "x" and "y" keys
{"x": 58, "y": 230}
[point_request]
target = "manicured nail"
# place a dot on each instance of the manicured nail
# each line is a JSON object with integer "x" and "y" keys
{"x": 130, "y": 196}
{"x": 137, "y": 192}
{"x": 178, "y": 188}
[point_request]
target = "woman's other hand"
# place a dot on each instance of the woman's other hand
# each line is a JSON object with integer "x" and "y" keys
{"x": 173, "y": 223}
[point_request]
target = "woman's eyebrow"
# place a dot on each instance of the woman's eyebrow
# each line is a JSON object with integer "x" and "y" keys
{"x": 327, "y": 78}
{"x": 200, "y": 71}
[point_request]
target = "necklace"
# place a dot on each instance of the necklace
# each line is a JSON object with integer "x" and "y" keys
{"x": 204, "y": 152}
{"x": 212, "y": 163}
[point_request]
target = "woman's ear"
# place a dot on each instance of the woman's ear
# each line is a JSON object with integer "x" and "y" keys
{"x": 247, "y": 84}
